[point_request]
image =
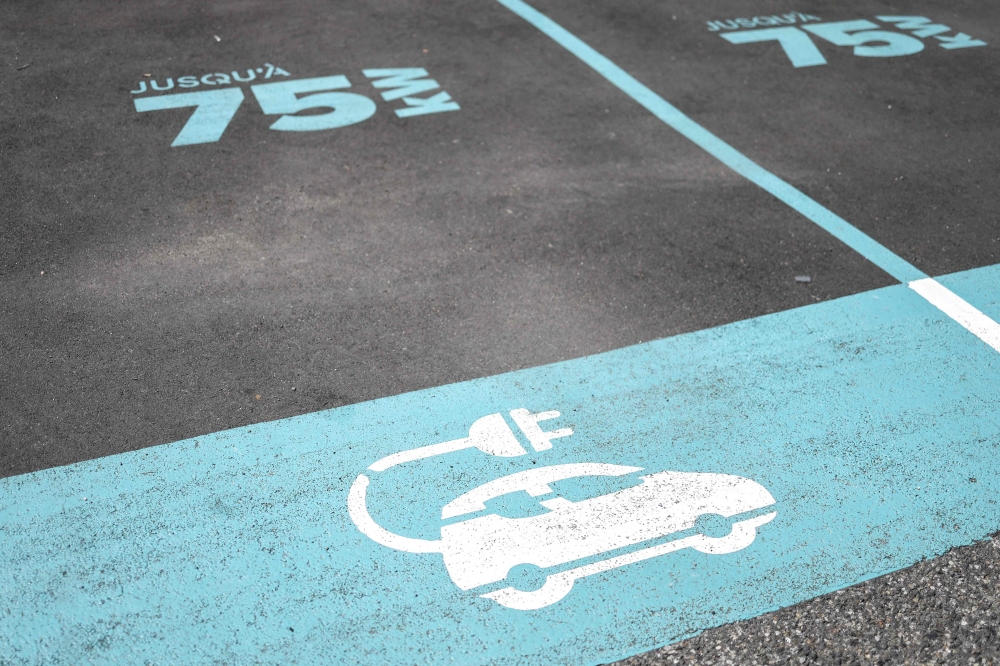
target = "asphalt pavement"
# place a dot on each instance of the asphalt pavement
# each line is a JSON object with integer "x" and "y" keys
{"x": 153, "y": 293}
{"x": 942, "y": 611}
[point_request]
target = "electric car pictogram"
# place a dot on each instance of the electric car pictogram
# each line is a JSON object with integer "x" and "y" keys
{"x": 483, "y": 549}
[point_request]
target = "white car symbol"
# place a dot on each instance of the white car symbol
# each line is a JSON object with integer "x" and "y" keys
{"x": 483, "y": 550}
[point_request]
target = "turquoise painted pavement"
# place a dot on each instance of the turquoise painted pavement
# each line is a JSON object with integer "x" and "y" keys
{"x": 872, "y": 420}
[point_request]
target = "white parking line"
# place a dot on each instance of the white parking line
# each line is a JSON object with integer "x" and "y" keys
{"x": 959, "y": 309}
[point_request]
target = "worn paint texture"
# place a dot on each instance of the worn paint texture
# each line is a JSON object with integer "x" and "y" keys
{"x": 871, "y": 419}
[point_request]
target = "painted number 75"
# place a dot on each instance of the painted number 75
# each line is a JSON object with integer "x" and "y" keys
{"x": 214, "y": 109}
{"x": 861, "y": 34}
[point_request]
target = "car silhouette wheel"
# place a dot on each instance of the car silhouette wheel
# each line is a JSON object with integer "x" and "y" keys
{"x": 713, "y": 525}
{"x": 527, "y": 578}
{"x": 555, "y": 588}
{"x": 741, "y": 536}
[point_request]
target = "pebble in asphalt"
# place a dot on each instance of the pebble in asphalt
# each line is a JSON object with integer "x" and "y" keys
{"x": 941, "y": 611}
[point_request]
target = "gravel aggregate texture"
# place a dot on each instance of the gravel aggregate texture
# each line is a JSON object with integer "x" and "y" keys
{"x": 941, "y": 611}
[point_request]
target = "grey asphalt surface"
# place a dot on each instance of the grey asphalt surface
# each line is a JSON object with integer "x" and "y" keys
{"x": 149, "y": 293}
{"x": 941, "y": 611}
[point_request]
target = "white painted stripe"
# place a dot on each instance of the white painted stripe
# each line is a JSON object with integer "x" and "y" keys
{"x": 959, "y": 309}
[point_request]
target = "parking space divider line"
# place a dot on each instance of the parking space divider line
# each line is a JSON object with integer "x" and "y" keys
{"x": 934, "y": 292}
{"x": 853, "y": 237}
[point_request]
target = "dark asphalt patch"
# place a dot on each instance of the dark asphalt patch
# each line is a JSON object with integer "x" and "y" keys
{"x": 549, "y": 218}
{"x": 942, "y": 611}
{"x": 902, "y": 147}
